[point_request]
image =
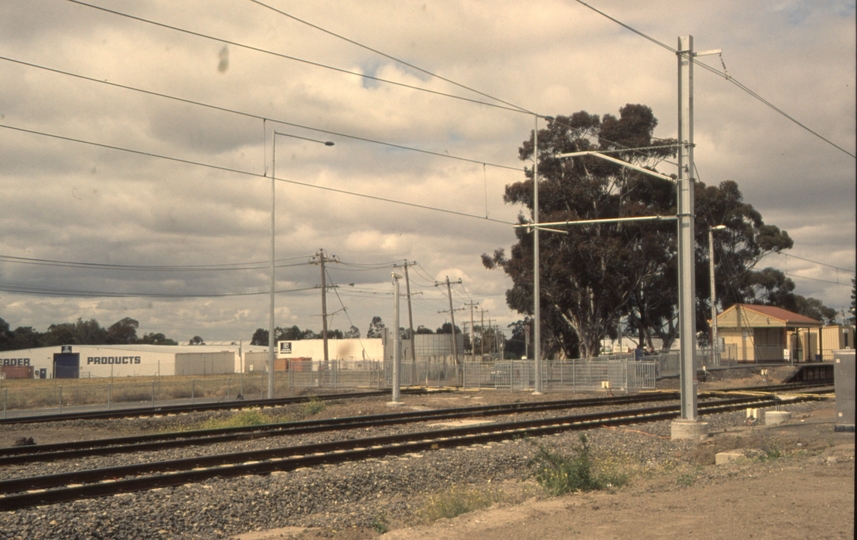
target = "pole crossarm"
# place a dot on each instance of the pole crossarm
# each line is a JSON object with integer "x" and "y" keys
{"x": 592, "y": 221}
{"x": 618, "y": 162}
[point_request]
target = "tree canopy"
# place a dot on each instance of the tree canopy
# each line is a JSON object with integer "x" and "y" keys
{"x": 598, "y": 276}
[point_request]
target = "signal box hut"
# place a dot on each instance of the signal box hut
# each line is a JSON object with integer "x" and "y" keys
{"x": 753, "y": 333}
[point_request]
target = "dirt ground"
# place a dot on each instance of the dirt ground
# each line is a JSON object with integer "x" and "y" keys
{"x": 807, "y": 492}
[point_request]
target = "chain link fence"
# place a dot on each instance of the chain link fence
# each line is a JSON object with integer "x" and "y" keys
{"x": 58, "y": 395}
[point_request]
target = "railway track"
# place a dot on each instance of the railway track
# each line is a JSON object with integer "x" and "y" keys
{"x": 160, "y": 410}
{"x": 50, "y": 489}
{"x": 160, "y": 441}
{"x": 138, "y": 412}
{"x": 18, "y": 455}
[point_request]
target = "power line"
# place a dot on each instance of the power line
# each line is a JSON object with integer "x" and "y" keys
{"x": 814, "y": 262}
{"x": 385, "y": 55}
{"x": 27, "y": 289}
{"x": 148, "y": 268}
{"x": 254, "y": 116}
{"x": 293, "y": 58}
{"x": 816, "y": 279}
{"x": 723, "y": 74}
{"x": 256, "y": 175}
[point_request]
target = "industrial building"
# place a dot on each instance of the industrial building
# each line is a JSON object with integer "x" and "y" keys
{"x": 91, "y": 361}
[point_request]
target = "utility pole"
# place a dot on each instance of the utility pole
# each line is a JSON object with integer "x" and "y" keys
{"x": 451, "y": 315}
{"x": 482, "y": 333}
{"x": 397, "y": 350}
{"x": 410, "y": 311}
{"x": 472, "y": 331}
{"x": 320, "y": 258}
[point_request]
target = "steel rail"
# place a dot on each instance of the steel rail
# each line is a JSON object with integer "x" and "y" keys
{"x": 17, "y": 455}
{"x": 114, "y": 479}
{"x": 197, "y": 407}
{"x": 162, "y": 410}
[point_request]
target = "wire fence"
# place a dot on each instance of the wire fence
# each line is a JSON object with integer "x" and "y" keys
{"x": 59, "y": 395}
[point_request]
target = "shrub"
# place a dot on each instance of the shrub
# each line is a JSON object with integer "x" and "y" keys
{"x": 559, "y": 474}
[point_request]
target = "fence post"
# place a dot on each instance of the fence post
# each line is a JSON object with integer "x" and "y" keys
{"x": 228, "y": 388}
{"x": 192, "y": 390}
{"x": 5, "y": 399}
{"x": 60, "y": 399}
{"x": 153, "y": 392}
{"x": 109, "y": 394}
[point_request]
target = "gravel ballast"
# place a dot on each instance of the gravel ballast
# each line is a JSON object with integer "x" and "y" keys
{"x": 338, "y": 497}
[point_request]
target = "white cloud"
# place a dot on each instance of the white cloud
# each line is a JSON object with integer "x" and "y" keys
{"x": 69, "y": 201}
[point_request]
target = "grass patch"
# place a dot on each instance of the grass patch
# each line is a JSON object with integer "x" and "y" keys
{"x": 688, "y": 479}
{"x": 559, "y": 474}
{"x": 240, "y": 419}
{"x": 771, "y": 451}
{"x": 380, "y": 525}
{"x": 455, "y": 502}
{"x": 313, "y": 406}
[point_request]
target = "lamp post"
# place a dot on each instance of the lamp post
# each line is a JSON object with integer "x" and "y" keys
{"x": 713, "y": 295}
{"x": 272, "y": 340}
{"x": 396, "y": 349}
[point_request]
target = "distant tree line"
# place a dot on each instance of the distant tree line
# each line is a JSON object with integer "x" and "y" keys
{"x": 80, "y": 332}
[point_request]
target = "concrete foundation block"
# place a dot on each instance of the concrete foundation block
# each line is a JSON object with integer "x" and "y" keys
{"x": 688, "y": 429}
{"x": 772, "y": 418}
{"x": 722, "y": 458}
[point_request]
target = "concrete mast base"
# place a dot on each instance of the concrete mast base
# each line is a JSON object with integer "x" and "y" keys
{"x": 688, "y": 429}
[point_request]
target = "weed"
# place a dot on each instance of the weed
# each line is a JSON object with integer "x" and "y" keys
{"x": 687, "y": 479}
{"x": 241, "y": 419}
{"x": 312, "y": 406}
{"x": 771, "y": 452}
{"x": 559, "y": 474}
{"x": 379, "y": 524}
{"x": 456, "y": 501}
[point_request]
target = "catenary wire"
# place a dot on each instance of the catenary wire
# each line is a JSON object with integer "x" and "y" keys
{"x": 287, "y": 57}
{"x": 385, "y": 55}
{"x": 787, "y": 255}
{"x": 145, "y": 268}
{"x": 257, "y": 175}
{"x": 255, "y": 116}
{"x": 723, "y": 74}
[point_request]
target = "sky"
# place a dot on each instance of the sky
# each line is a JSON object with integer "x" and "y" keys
{"x": 138, "y": 141}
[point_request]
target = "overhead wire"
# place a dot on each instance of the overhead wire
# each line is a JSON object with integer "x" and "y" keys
{"x": 257, "y": 175}
{"x": 257, "y": 116}
{"x": 29, "y": 289}
{"x": 390, "y": 57}
{"x": 293, "y": 58}
{"x": 150, "y": 268}
{"x": 723, "y": 74}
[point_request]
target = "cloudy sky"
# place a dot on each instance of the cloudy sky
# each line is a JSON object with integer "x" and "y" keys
{"x": 138, "y": 142}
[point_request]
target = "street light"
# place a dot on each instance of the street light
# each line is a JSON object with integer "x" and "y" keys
{"x": 713, "y": 295}
{"x": 396, "y": 349}
{"x": 272, "y": 340}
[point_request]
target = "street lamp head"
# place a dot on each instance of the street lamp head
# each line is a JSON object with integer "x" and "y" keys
{"x": 396, "y": 276}
{"x": 328, "y": 143}
{"x": 718, "y": 227}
